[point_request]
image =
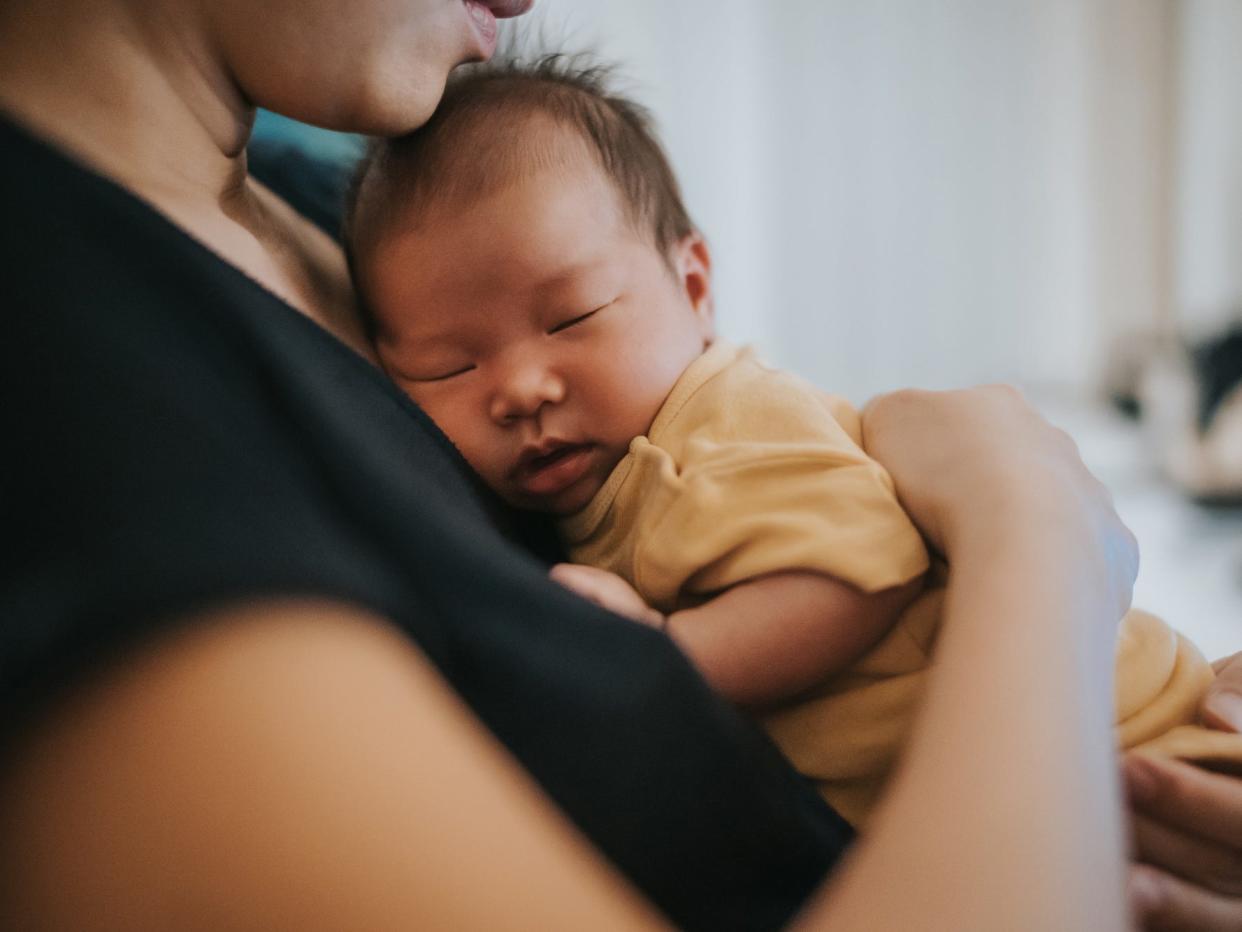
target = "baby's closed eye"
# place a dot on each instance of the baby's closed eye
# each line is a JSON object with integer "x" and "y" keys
{"x": 574, "y": 321}
{"x": 442, "y": 376}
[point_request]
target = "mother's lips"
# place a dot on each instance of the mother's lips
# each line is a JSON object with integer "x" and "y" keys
{"x": 504, "y": 9}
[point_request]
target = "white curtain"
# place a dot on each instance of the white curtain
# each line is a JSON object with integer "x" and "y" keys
{"x": 1208, "y": 217}
{"x": 942, "y": 192}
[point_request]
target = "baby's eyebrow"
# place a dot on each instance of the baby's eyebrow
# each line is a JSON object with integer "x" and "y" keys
{"x": 403, "y": 340}
{"x": 560, "y": 278}
{"x": 568, "y": 273}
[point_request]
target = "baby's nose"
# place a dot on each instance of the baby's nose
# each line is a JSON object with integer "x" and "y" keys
{"x": 525, "y": 392}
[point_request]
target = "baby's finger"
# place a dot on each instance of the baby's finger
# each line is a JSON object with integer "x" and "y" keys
{"x": 576, "y": 576}
{"x": 565, "y": 573}
{"x": 581, "y": 580}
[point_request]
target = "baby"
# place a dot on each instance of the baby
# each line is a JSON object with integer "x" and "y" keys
{"x": 548, "y": 303}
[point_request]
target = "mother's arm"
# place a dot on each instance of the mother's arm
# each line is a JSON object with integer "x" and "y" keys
{"x": 1042, "y": 570}
{"x": 209, "y": 782}
{"x": 288, "y": 765}
{"x": 1188, "y": 829}
{"x": 1187, "y": 822}
{"x": 299, "y": 765}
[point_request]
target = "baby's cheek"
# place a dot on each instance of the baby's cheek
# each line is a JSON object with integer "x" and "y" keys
{"x": 641, "y": 407}
{"x": 469, "y": 433}
{"x": 448, "y": 415}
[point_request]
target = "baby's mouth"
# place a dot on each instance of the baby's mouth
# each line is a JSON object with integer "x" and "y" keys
{"x": 551, "y": 468}
{"x": 550, "y": 459}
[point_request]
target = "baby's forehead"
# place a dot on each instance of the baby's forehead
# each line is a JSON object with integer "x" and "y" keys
{"x": 557, "y": 167}
{"x": 535, "y": 243}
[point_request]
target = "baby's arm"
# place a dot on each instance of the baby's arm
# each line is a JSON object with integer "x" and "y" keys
{"x": 765, "y": 639}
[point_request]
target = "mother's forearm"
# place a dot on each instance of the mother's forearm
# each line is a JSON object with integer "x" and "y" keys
{"x": 1006, "y": 810}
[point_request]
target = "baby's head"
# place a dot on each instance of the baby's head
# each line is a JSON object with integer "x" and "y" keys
{"x": 531, "y": 277}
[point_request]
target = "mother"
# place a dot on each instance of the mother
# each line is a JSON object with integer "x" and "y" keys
{"x": 261, "y": 633}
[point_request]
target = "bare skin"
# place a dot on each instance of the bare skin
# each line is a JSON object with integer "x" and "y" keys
{"x": 153, "y": 798}
{"x": 302, "y": 813}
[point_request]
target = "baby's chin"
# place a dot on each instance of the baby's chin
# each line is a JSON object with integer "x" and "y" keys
{"x": 562, "y": 505}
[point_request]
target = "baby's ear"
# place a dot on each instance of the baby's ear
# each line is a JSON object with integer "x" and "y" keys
{"x": 692, "y": 260}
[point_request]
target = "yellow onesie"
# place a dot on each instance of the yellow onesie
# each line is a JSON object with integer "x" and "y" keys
{"x": 746, "y": 471}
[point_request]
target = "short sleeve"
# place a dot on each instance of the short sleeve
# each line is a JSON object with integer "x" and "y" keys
{"x": 742, "y": 503}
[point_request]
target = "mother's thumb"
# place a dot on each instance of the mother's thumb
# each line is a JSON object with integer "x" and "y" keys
{"x": 1222, "y": 706}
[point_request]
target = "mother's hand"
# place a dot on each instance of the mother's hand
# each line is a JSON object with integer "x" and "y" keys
{"x": 1188, "y": 829}
{"x": 983, "y": 462}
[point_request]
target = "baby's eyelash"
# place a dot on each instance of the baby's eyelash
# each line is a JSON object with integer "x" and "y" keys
{"x": 447, "y": 375}
{"x": 577, "y": 320}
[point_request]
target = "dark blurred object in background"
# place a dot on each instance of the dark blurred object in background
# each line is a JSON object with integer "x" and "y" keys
{"x": 1189, "y": 397}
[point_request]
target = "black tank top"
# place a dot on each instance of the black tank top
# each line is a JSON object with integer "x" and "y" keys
{"x": 177, "y": 438}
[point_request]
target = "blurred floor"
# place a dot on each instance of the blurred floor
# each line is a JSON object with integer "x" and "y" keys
{"x": 1191, "y": 570}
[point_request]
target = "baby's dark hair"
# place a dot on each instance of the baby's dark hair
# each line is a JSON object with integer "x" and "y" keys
{"x": 480, "y": 138}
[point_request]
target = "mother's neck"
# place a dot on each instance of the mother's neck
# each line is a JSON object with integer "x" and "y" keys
{"x": 139, "y": 97}
{"x": 146, "y": 101}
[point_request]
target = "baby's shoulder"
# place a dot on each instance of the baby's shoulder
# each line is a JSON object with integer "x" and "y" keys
{"x": 744, "y": 398}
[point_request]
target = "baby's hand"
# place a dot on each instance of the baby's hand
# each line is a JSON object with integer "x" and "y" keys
{"x": 607, "y": 590}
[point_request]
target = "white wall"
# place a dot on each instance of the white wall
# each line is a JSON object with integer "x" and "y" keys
{"x": 930, "y": 210}
{"x": 939, "y": 192}
{"x": 1209, "y": 169}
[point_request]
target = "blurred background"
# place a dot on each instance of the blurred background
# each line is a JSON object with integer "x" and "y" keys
{"x": 945, "y": 192}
